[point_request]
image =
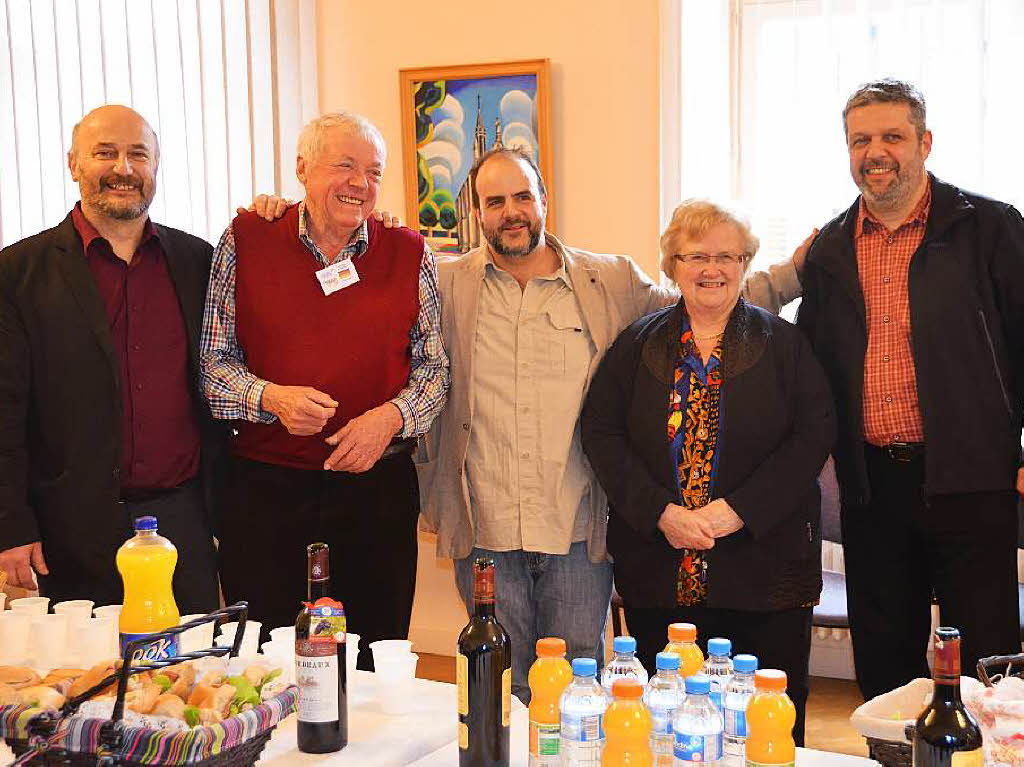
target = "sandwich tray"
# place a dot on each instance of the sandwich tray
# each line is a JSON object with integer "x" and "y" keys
{"x": 41, "y": 737}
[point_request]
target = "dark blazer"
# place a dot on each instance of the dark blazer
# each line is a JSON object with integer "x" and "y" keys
{"x": 966, "y": 285}
{"x": 60, "y": 401}
{"x": 777, "y": 429}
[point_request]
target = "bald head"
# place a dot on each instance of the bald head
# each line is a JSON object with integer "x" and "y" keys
{"x": 113, "y": 157}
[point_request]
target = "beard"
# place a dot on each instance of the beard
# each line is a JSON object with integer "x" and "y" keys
{"x": 900, "y": 190}
{"x": 493, "y": 236}
{"x": 120, "y": 210}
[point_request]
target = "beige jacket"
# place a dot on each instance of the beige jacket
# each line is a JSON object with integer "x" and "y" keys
{"x": 612, "y": 292}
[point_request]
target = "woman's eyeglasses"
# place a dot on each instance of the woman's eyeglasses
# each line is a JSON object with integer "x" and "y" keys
{"x": 705, "y": 259}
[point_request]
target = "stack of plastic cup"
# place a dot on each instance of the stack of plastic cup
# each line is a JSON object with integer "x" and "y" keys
{"x": 395, "y": 668}
{"x": 31, "y": 605}
{"x": 14, "y": 630}
{"x": 114, "y": 613}
{"x": 48, "y": 638}
{"x": 79, "y": 613}
{"x": 98, "y": 641}
{"x": 250, "y": 641}
{"x": 197, "y": 638}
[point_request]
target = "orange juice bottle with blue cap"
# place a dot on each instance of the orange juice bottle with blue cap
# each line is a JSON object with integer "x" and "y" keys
{"x": 770, "y": 719}
{"x": 627, "y": 727}
{"x": 146, "y": 563}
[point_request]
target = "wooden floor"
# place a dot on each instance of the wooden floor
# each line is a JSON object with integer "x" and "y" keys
{"x": 828, "y": 709}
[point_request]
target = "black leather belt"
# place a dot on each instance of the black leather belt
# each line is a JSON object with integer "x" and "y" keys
{"x": 399, "y": 447}
{"x": 904, "y": 452}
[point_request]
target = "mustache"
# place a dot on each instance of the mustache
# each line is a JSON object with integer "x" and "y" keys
{"x": 115, "y": 178}
{"x": 871, "y": 164}
{"x": 509, "y": 222}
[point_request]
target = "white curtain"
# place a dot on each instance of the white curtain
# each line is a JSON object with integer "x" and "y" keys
{"x": 763, "y": 84}
{"x": 226, "y": 84}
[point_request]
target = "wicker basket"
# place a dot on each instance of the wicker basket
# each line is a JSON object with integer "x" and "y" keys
{"x": 890, "y": 753}
{"x": 53, "y": 740}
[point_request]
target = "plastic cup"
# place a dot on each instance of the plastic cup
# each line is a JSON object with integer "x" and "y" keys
{"x": 394, "y": 682}
{"x": 97, "y": 641}
{"x": 77, "y": 610}
{"x": 351, "y": 654}
{"x": 198, "y": 638}
{"x": 114, "y": 610}
{"x": 286, "y": 633}
{"x": 383, "y": 649}
{"x": 31, "y": 605}
{"x": 49, "y": 637}
{"x": 250, "y": 642}
{"x": 14, "y": 629}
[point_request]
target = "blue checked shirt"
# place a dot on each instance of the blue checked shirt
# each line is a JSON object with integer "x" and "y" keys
{"x": 236, "y": 394}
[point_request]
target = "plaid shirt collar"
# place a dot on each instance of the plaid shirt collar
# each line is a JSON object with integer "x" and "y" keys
{"x": 867, "y": 223}
{"x": 356, "y": 247}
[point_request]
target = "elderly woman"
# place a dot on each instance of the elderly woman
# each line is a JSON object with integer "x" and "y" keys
{"x": 707, "y": 424}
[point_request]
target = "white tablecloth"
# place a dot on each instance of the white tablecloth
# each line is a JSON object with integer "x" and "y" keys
{"x": 448, "y": 755}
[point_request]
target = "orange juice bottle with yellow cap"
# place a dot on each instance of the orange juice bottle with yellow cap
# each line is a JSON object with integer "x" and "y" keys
{"x": 770, "y": 719}
{"x": 549, "y": 675}
{"x": 682, "y": 640}
{"x": 627, "y": 727}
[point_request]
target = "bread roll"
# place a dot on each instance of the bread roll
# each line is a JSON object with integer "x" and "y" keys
{"x": 19, "y": 677}
{"x": 60, "y": 674}
{"x": 9, "y": 696}
{"x": 169, "y": 705}
{"x": 94, "y": 676}
{"x": 42, "y": 696}
{"x": 142, "y": 699}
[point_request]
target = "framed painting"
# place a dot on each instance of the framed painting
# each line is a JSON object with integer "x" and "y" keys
{"x": 450, "y": 117}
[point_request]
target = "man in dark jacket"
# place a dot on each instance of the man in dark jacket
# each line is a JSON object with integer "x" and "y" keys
{"x": 914, "y": 304}
{"x": 101, "y": 418}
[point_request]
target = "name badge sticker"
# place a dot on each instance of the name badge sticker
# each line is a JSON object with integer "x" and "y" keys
{"x": 338, "y": 275}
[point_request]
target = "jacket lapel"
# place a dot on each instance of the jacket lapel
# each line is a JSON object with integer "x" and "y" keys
{"x": 190, "y": 299}
{"x": 840, "y": 258}
{"x": 75, "y": 270}
{"x": 467, "y": 279}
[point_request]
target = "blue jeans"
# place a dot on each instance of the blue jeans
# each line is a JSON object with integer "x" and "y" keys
{"x": 544, "y": 595}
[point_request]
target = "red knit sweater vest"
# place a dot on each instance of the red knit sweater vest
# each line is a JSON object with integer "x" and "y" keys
{"x": 353, "y": 344}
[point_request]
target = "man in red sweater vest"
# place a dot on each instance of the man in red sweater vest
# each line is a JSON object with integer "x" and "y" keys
{"x": 321, "y": 342}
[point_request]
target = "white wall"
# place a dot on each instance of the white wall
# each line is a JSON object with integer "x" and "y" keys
{"x": 604, "y": 112}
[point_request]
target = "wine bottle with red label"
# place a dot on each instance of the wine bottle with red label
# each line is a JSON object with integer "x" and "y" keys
{"x": 320, "y": 661}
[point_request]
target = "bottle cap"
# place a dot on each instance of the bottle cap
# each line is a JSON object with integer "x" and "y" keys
{"x": 624, "y": 644}
{"x": 770, "y": 679}
{"x": 698, "y": 684}
{"x": 627, "y": 688}
{"x": 667, "y": 661}
{"x": 550, "y": 647}
{"x": 584, "y": 667}
{"x": 682, "y": 632}
{"x": 719, "y": 646}
{"x": 145, "y": 523}
{"x": 745, "y": 664}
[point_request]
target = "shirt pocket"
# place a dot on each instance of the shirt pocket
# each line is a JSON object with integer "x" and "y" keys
{"x": 561, "y": 328}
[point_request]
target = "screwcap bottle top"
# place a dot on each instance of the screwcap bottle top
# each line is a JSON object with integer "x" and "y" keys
{"x": 550, "y": 647}
{"x": 682, "y": 632}
{"x": 770, "y": 679}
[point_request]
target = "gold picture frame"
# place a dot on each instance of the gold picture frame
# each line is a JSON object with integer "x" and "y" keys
{"x": 452, "y": 114}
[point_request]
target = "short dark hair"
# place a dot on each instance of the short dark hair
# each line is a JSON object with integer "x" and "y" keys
{"x": 511, "y": 153}
{"x": 889, "y": 90}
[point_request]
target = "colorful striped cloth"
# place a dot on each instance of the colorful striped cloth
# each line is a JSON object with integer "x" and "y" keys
{"x": 148, "y": 746}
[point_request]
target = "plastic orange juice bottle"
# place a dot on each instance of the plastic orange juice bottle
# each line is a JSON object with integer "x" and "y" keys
{"x": 682, "y": 640}
{"x": 146, "y": 563}
{"x": 627, "y": 727}
{"x": 770, "y": 719}
{"x": 549, "y": 675}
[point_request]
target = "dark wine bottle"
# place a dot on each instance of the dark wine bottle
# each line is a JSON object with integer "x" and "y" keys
{"x": 484, "y": 672}
{"x": 320, "y": 660}
{"x": 946, "y": 734}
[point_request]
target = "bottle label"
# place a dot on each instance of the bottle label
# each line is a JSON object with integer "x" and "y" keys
{"x": 163, "y": 648}
{"x": 317, "y": 677}
{"x": 327, "y": 624}
{"x": 736, "y": 722}
{"x": 462, "y": 680}
{"x": 661, "y": 720}
{"x": 973, "y": 758}
{"x": 698, "y": 748}
{"x": 545, "y": 742}
{"x": 582, "y": 738}
{"x": 661, "y": 749}
{"x": 463, "y": 735}
{"x": 506, "y": 696}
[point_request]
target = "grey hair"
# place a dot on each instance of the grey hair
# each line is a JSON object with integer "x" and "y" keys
{"x": 312, "y": 135}
{"x": 692, "y": 219}
{"x": 889, "y": 90}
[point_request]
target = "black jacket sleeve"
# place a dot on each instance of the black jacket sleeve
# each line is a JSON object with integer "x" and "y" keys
{"x": 17, "y": 520}
{"x": 634, "y": 494}
{"x": 777, "y": 487}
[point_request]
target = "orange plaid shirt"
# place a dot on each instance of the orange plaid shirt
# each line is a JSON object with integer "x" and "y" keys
{"x": 891, "y": 409}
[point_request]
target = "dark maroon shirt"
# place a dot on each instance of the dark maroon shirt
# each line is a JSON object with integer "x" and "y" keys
{"x": 160, "y": 433}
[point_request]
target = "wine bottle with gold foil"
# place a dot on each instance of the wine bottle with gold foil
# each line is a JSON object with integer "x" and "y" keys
{"x": 946, "y": 735}
{"x": 484, "y": 673}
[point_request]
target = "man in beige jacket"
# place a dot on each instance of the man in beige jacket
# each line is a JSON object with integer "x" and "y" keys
{"x": 525, "y": 321}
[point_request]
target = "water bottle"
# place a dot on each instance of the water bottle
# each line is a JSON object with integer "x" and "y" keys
{"x": 697, "y": 726}
{"x": 663, "y": 696}
{"x": 718, "y": 667}
{"x": 737, "y": 694}
{"x": 582, "y": 708}
{"x": 624, "y": 665}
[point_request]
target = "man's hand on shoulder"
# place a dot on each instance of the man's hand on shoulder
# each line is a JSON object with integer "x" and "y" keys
{"x": 302, "y": 410}
{"x": 800, "y": 254}
{"x": 20, "y": 561}
{"x": 269, "y": 207}
{"x": 359, "y": 444}
{"x": 387, "y": 219}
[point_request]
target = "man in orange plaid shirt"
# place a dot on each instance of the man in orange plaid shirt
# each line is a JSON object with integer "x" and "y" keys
{"x": 914, "y": 303}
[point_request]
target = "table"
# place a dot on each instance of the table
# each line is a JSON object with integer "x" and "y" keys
{"x": 448, "y": 755}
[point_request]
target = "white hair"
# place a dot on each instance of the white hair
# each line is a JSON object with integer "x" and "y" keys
{"x": 311, "y": 137}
